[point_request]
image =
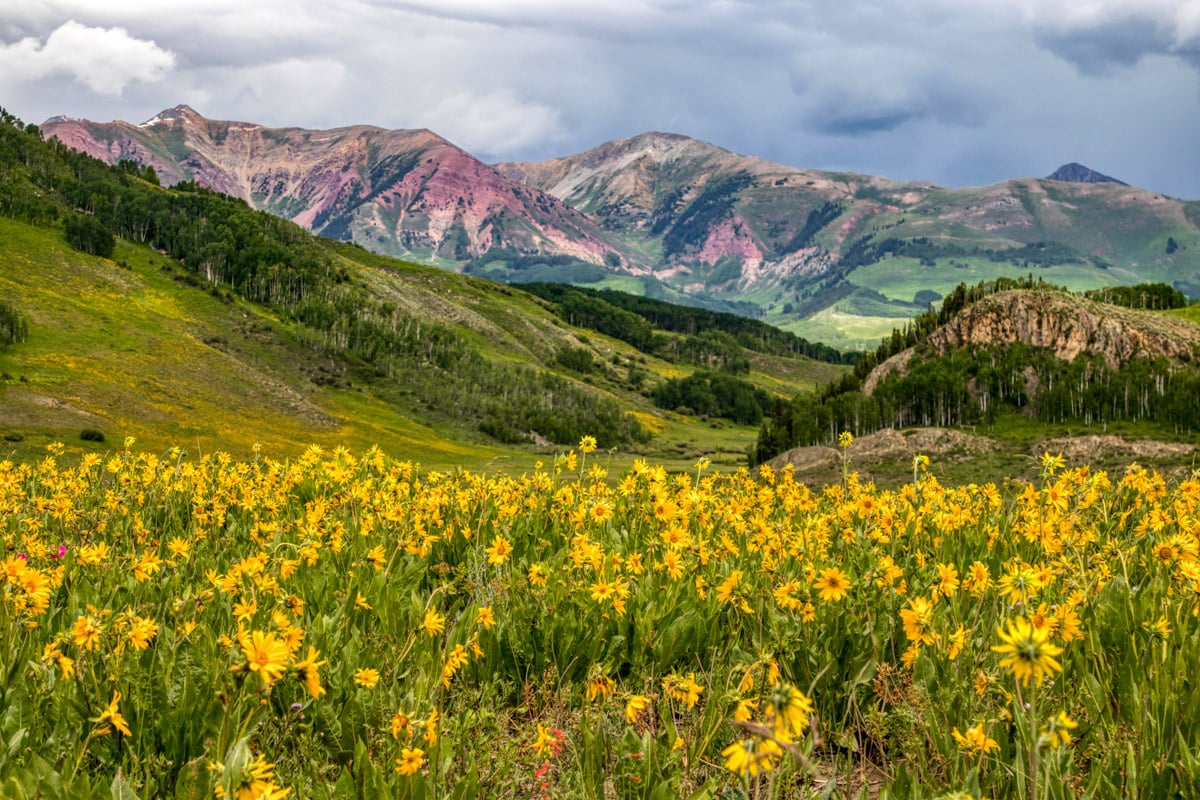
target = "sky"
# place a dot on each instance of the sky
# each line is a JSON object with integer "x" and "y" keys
{"x": 953, "y": 92}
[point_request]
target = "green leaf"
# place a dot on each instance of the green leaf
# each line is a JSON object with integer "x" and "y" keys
{"x": 14, "y": 744}
{"x": 120, "y": 788}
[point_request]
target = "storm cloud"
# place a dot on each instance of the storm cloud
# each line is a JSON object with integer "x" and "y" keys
{"x": 954, "y": 93}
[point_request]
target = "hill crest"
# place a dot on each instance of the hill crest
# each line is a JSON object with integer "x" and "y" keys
{"x": 1066, "y": 325}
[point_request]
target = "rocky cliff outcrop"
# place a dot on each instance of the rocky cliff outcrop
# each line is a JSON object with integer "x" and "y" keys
{"x": 1065, "y": 324}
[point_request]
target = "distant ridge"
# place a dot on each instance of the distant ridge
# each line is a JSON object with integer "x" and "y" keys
{"x": 1078, "y": 173}
{"x": 675, "y": 218}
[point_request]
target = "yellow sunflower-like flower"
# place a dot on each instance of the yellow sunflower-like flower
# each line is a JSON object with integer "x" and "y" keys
{"x": 748, "y": 757}
{"x": 113, "y": 714}
{"x": 1027, "y": 651}
{"x": 141, "y": 631}
{"x": 1057, "y": 732}
{"x": 265, "y": 654}
{"x": 410, "y": 760}
{"x": 685, "y": 690}
{"x": 486, "y": 618}
{"x": 499, "y": 551}
{"x": 634, "y": 706}
{"x": 832, "y": 585}
{"x": 85, "y": 633}
{"x": 975, "y": 740}
{"x": 788, "y": 710}
{"x": 366, "y": 677}
{"x": 309, "y": 674}
{"x": 434, "y": 623}
{"x": 918, "y": 621}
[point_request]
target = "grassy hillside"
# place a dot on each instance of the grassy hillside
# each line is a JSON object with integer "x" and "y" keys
{"x": 125, "y": 348}
{"x": 206, "y": 324}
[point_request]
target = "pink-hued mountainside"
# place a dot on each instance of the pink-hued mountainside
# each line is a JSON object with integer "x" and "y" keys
{"x": 401, "y": 192}
{"x": 662, "y": 214}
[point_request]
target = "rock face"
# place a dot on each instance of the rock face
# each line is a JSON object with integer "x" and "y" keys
{"x": 1067, "y": 325}
{"x": 703, "y": 206}
{"x": 402, "y": 192}
{"x": 887, "y": 445}
{"x": 1078, "y": 173}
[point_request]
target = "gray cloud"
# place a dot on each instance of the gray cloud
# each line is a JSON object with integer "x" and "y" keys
{"x": 940, "y": 90}
{"x": 1109, "y": 35}
{"x": 1103, "y": 49}
{"x": 104, "y": 60}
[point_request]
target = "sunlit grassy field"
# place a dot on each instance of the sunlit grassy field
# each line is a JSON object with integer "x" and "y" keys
{"x": 347, "y": 625}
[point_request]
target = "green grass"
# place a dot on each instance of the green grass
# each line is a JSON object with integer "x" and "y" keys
{"x": 131, "y": 352}
{"x": 844, "y": 331}
{"x": 1190, "y": 313}
{"x": 126, "y": 347}
{"x": 901, "y": 278}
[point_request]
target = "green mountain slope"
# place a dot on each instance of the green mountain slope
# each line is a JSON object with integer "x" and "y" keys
{"x": 206, "y": 324}
{"x": 832, "y": 256}
{"x": 844, "y": 258}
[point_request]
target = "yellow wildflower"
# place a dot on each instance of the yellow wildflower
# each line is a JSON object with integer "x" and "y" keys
{"x": 366, "y": 677}
{"x": 265, "y": 654}
{"x": 410, "y": 760}
{"x": 1027, "y": 652}
{"x": 434, "y": 623}
{"x": 975, "y": 740}
{"x": 832, "y": 585}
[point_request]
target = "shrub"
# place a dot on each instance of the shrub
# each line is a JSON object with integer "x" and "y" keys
{"x": 578, "y": 359}
{"x": 88, "y": 235}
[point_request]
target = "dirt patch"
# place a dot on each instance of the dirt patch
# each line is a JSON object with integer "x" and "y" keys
{"x": 1094, "y": 448}
{"x": 20, "y": 409}
{"x": 889, "y": 445}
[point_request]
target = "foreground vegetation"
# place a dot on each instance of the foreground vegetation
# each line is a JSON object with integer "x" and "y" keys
{"x": 343, "y": 625}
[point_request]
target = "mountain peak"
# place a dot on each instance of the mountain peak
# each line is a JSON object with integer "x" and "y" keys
{"x": 169, "y": 115}
{"x": 1078, "y": 173}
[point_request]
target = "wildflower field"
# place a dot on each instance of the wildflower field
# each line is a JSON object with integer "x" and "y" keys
{"x": 344, "y": 625}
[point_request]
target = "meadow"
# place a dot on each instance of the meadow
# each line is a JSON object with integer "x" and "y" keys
{"x": 350, "y": 625}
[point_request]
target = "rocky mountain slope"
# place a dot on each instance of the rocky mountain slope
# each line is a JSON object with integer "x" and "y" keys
{"x": 700, "y": 206}
{"x": 844, "y": 258}
{"x": 833, "y": 256}
{"x": 403, "y": 192}
{"x": 1005, "y": 359}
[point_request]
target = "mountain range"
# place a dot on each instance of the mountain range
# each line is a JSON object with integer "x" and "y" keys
{"x": 838, "y": 257}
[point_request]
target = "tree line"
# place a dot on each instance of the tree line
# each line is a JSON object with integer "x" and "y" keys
{"x": 601, "y": 310}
